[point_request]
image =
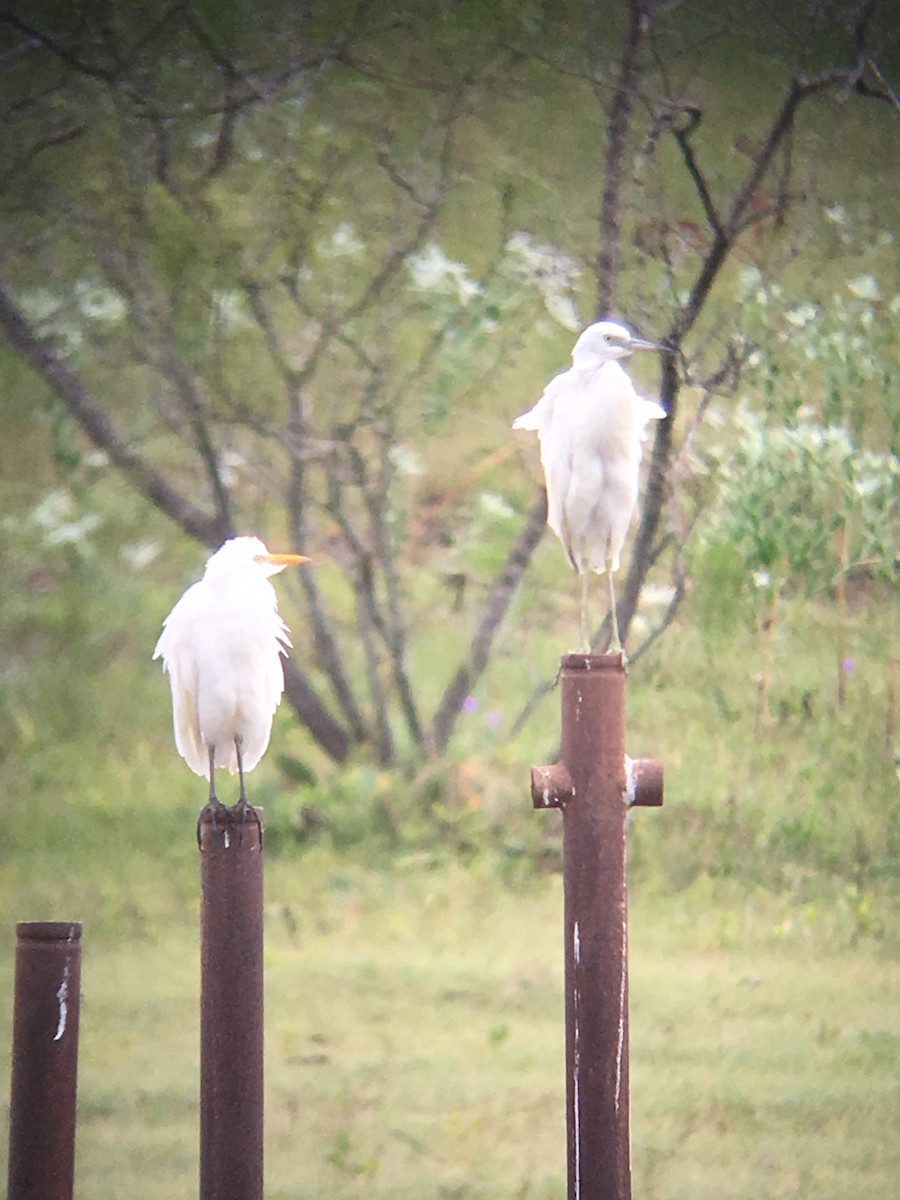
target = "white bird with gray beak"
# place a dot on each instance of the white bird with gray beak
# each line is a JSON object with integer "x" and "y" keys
{"x": 590, "y": 424}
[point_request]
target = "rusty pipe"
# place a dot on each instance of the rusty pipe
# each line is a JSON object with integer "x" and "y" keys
{"x": 44, "y": 1060}
{"x": 231, "y": 1011}
{"x": 594, "y": 786}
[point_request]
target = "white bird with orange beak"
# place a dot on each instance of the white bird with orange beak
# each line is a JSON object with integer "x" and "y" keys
{"x": 222, "y": 645}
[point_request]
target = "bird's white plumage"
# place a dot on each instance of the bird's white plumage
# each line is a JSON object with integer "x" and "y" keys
{"x": 590, "y": 423}
{"x": 222, "y": 645}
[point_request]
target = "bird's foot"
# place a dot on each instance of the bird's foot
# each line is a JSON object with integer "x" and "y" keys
{"x": 226, "y": 820}
{"x": 238, "y": 815}
{"x": 616, "y": 648}
{"x": 218, "y": 814}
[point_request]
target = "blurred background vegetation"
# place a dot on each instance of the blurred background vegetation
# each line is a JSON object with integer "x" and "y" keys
{"x": 293, "y": 270}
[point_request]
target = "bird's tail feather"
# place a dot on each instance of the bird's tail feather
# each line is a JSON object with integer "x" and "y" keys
{"x": 526, "y": 421}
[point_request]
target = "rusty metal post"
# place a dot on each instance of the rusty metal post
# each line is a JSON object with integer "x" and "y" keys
{"x": 44, "y": 1060}
{"x": 231, "y": 1012}
{"x": 594, "y": 786}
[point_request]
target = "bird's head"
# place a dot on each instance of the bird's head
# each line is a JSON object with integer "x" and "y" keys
{"x": 605, "y": 341}
{"x": 247, "y": 556}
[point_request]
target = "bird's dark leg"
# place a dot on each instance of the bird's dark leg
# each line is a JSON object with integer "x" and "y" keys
{"x": 615, "y": 644}
{"x": 583, "y": 619}
{"x": 243, "y": 808}
{"x": 214, "y": 805}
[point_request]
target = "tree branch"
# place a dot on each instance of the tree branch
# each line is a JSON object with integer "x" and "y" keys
{"x": 686, "y": 315}
{"x": 393, "y": 628}
{"x": 492, "y": 615}
{"x": 608, "y": 262}
{"x": 328, "y": 655}
{"x": 682, "y": 137}
{"x": 193, "y": 408}
{"x": 209, "y": 528}
{"x": 313, "y": 713}
{"x": 366, "y": 624}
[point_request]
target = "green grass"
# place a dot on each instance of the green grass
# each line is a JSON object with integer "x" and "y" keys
{"x": 413, "y": 953}
{"x": 414, "y": 1044}
{"x": 414, "y": 950}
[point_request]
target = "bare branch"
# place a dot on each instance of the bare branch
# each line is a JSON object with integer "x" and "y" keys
{"x": 195, "y": 411}
{"x": 378, "y": 73}
{"x": 241, "y": 91}
{"x": 263, "y": 318}
{"x": 393, "y": 627}
{"x": 365, "y": 599}
{"x": 608, "y": 264}
{"x": 332, "y": 326}
{"x": 325, "y": 644}
{"x": 882, "y": 89}
{"x": 369, "y": 618}
{"x": 224, "y": 148}
{"x": 25, "y": 46}
{"x": 682, "y": 137}
{"x": 296, "y": 437}
{"x": 663, "y": 624}
{"x": 58, "y": 49}
{"x": 492, "y": 615}
{"x": 313, "y": 714}
{"x": 686, "y": 315}
{"x": 209, "y": 528}
{"x": 58, "y": 137}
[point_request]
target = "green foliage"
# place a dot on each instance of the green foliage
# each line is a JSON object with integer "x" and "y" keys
{"x": 720, "y": 601}
{"x": 825, "y": 344}
{"x": 789, "y": 490}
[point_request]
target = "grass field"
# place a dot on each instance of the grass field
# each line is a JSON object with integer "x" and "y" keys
{"x": 414, "y": 1045}
{"x": 414, "y": 962}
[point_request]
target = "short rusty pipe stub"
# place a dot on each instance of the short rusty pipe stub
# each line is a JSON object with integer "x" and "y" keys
{"x": 551, "y": 786}
{"x": 643, "y": 783}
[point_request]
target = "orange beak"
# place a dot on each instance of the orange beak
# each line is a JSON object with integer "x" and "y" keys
{"x": 282, "y": 560}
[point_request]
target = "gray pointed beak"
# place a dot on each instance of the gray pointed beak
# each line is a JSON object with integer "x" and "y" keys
{"x": 637, "y": 343}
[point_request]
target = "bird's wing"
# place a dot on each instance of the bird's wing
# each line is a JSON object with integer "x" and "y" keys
{"x": 174, "y": 648}
{"x": 275, "y": 671}
{"x": 188, "y": 742}
{"x": 541, "y": 416}
{"x": 556, "y": 450}
{"x": 558, "y": 441}
{"x": 262, "y": 677}
{"x": 647, "y": 411}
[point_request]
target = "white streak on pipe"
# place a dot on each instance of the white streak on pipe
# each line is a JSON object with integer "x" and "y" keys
{"x": 620, "y": 1047}
{"x": 576, "y": 1060}
{"x": 630, "y": 783}
{"x": 62, "y": 996}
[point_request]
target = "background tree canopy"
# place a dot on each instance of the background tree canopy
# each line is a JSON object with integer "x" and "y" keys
{"x": 292, "y": 269}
